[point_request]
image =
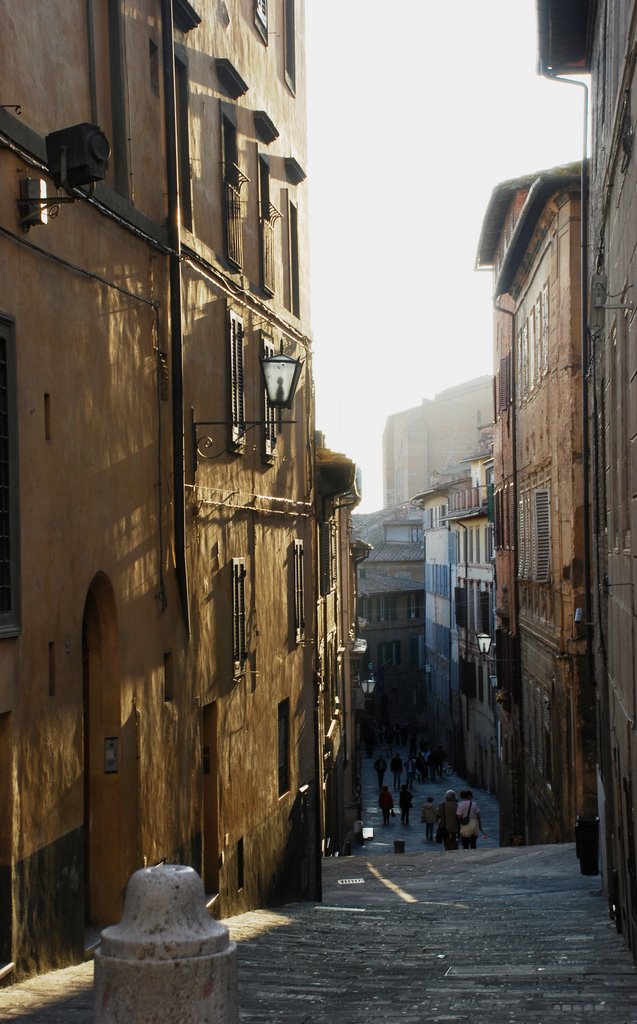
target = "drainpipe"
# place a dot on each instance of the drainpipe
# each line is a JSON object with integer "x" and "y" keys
{"x": 174, "y": 243}
{"x": 586, "y": 528}
{"x": 516, "y": 783}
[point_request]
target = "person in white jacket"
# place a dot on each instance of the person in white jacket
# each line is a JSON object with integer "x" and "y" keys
{"x": 468, "y": 815}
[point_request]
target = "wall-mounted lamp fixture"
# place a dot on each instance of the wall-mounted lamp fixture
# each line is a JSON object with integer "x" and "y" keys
{"x": 368, "y": 685}
{"x": 484, "y": 643}
{"x": 77, "y": 157}
{"x": 281, "y": 376}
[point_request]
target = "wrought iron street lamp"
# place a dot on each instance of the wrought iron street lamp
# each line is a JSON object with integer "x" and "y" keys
{"x": 484, "y": 643}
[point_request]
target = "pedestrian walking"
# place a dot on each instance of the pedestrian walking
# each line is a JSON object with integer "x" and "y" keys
{"x": 441, "y": 757}
{"x": 448, "y": 820}
{"x": 386, "y": 804}
{"x": 405, "y": 802}
{"x": 396, "y": 765}
{"x": 380, "y": 767}
{"x": 469, "y": 821}
{"x": 429, "y": 817}
{"x": 410, "y": 771}
{"x": 421, "y": 768}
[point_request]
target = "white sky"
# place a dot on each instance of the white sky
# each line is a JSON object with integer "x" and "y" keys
{"x": 416, "y": 110}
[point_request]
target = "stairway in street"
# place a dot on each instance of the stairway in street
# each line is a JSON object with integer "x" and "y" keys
{"x": 497, "y": 935}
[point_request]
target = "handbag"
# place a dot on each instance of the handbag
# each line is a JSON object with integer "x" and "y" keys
{"x": 466, "y": 818}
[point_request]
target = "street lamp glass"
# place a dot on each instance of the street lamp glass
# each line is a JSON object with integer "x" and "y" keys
{"x": 281, "y": 375}
{"x": 484, "y": 642}
{"x": 367, "y": 686}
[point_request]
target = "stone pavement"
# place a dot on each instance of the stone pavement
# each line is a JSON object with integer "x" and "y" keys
{"x": 413, "y": 835}
{"x": 425, "y": 937}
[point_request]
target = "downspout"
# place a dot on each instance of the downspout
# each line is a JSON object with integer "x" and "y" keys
{"x": 466, "y": 585}
{"x": 586, "y": 527}
{"x": 516, "y": 783}
{"x": 176, "y": 335}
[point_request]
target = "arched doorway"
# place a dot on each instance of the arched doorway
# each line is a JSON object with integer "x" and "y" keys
{"x": 103, "y": 881}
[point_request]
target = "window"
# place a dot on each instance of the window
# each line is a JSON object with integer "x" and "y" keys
{"x": 270, "y": 415}
{"x": 233, "y": 181}
{"x": 461, "y": 606}
{"x": 261, "y": 17}
{"x": 293, "y": 228}
{"x": 268, "y": 216}
{"x": 299, "y": 592}
{"x": 327, "y": 554}
{"x": 236, "y": 384}
{"x": 290, "y": 44}
{"x": 414, "y": 650}
{"x": 239, "y": 653}
{"x": 389, "y": 653}
{"x": 283, "y": 716}
{"x": 183, "y": 141}
{"x": 534, "y": 561}
{"x": 107, "y": 85}
{"x": 9, "y": 561}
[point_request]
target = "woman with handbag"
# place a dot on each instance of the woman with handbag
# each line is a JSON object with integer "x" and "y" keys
{"x": 448, "y": 820}
{"x": 469, "y": 821}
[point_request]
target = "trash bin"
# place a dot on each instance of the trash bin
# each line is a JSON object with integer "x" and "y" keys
{"x": 587, "y": 844}
{"x": 399, "y": 845}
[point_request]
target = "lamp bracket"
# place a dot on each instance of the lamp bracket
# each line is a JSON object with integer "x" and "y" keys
{"x": 204, "y": 441}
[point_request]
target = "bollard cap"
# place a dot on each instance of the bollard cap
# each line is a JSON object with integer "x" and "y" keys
{"x": 164, "y": 918}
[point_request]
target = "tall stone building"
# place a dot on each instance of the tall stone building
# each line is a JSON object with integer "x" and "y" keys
{"x": 432, "y": 437}
{"x": 600, "y": 39}
{"x": 531, "y": 239}
{"x": 159, "y": 683}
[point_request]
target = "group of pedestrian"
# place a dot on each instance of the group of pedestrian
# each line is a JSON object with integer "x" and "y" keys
{"x": 457, "y": 819}
{"x": 426, "y": 765}
{"x": 386, "y": 803}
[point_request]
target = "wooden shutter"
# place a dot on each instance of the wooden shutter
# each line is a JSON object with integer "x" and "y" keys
{"x": 270, "y": 415}
{"x": 237, "y": 387}
{"x": 461, "y": 606}
{"x": 324, "y": 558}
{"x": 542, "y": 535}
{"x": 238, "y": 612}
{"x": 299, "y": 591}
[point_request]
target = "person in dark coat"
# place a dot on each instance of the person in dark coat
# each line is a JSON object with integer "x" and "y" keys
{"x": 386, "y": 804}
{"x": 396, "y": 765}
{"x": 448, "y": 820}
{"x": 380, "y": 767}
{"x": 405, "y": 802}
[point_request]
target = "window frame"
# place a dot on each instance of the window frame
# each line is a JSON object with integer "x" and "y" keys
{"x": 10, "y": 616}
{"x": 289, "y": 44}
{"x": 283, "y": 746}
{"x": 236, "y": 379}
{"x": 239, "y": 641}
{"x": 299, "y": 592}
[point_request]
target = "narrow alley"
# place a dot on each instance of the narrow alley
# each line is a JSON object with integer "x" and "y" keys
{"x": 508, "y": 935}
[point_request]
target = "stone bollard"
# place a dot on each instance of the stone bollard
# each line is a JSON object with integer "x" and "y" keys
{"x": 166, "y": 960}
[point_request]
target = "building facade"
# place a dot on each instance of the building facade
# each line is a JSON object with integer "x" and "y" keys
{"x": 432, "y": 438}
{"x": 159, "y": 681}
{"x": 599, "y": 39}
{"x": 531, "y": 238}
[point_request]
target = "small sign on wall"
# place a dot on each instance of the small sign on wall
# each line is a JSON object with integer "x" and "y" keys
{"x": 111, "y": 754}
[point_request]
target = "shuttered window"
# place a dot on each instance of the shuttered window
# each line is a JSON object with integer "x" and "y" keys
{"x": 461, "y": 606}
{"x": 283, "y": 718}
{"x": 542, "y": 538}
{"x": 504, "y": 383}
{"x": 239, "y": 652}
{"x": 237, "y": 392}
{"x": 270, "y": 415}
{"x": 299, "y": 592}
{"x": 9, "y": 563}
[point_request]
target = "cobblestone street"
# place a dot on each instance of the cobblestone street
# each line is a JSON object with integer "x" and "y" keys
{"x": 504, "y": 935}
